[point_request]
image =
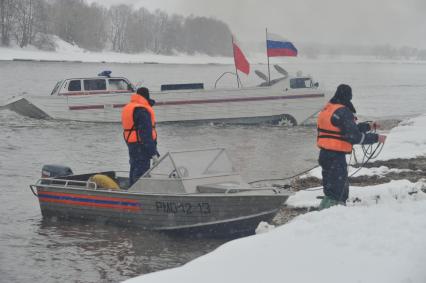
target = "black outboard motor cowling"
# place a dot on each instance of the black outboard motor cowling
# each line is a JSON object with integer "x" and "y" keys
{"x": 51, "y": 171}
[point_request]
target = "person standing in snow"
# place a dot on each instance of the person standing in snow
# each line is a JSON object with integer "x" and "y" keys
{"x": 337, "y": 133}
{"x": 138, "y": 121}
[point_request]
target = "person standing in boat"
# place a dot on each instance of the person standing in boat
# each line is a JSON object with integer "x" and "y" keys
{"x": 337, "y": 133}
{"x": 138, "y": 121}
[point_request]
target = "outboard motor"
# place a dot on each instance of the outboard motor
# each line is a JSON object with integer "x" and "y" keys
{"x": 51, "y": 171}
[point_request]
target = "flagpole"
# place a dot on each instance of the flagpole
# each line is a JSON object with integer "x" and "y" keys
{"x": 269, "y": 70}
{"x": 235, "y": 64}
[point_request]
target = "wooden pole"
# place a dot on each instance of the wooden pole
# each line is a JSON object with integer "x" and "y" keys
{"x": 269, "y": 70}
{"x": 235, "y": 64}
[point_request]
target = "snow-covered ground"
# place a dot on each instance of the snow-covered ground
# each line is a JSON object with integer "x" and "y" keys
{"x": 408, "y": 140}
{"x": 377, "y": 237}
{"x": 374, "y": 171}
{"x": 394, "y": 191}
{"x": 68, "y": 52}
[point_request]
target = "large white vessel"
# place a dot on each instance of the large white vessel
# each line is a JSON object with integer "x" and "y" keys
{"x": 100, "y": 99}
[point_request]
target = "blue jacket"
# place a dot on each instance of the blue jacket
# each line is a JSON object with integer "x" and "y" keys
{"x": 344, "y": 119}
{"x": 148, "y": 148}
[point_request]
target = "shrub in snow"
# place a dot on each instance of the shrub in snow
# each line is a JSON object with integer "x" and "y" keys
{"x": 44, "y": 42}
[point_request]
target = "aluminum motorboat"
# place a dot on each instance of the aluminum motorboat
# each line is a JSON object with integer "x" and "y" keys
{"x": 100, "y": 99}
{"x": 196, "y": 193}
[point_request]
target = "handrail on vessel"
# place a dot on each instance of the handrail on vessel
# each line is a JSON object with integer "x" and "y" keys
{"x": 64, "y": 183}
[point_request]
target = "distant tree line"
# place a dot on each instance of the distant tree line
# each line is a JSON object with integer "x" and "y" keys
{"x": 120, "y": 28}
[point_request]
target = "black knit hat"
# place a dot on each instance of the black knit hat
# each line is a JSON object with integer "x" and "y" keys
{"x": 343, "y": 96}
{"x": 144, "y": 92}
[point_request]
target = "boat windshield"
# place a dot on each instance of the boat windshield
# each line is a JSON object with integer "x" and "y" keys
{"x": 119, "y": 84}
{"x": 193, "y": 164}
{"x": 55, "y": 89}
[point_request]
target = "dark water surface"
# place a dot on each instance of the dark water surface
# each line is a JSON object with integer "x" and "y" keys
{"x": 33, "y": 250}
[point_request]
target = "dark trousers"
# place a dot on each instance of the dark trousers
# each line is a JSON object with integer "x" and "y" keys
{"x": 139, "y": 162}
{"x": 334, "y": 174}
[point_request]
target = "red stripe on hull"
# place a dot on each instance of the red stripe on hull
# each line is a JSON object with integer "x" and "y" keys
{"x": 205, "y": 101}
{"x": 86, "y": 107}
{"x": 89, "y": 197}
{"x": 91, "y": 93}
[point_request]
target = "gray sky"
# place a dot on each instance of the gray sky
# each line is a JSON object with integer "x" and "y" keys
{"x": 367, "y": 22}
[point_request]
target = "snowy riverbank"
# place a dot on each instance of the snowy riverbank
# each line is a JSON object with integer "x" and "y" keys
{"x": 66, "y": 52}
{"x": 378, "y": 237}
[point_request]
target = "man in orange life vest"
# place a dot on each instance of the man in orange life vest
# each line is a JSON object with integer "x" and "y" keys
{"x": 138, "y": 121}
{"x": 337, "y": 132}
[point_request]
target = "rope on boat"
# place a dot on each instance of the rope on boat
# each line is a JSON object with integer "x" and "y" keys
{"x": 368, "y": 154}
{"x": 284, "y": 178}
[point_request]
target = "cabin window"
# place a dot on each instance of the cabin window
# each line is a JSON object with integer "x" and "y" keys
{"x": 96, "y": 84}
{"x": 301, "y": 83}
{"x": 119, "y": 84}
{"x": 74, "y": 85}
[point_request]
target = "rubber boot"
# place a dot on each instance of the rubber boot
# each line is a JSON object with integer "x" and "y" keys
{"x": 328, "y": 202}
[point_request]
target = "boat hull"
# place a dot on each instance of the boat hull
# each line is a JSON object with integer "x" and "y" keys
{"x": 215, "y": 215}
{"x": 26, "y": 108}
{"x": 251, "y": 105}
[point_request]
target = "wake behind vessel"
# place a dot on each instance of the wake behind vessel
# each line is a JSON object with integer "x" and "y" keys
{"x": 100, "y": 99}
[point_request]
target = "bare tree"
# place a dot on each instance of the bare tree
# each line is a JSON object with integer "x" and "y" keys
{"x": 160, "y": 24}
{"x": 120, "y": 28}
{"x": 65, "y": 17}
{"x": 24, "y": 31}
{"x": 140, "y": 28}
{"x": 206, "y": 35}
{"x": 171, "y": 37}
{"x": 6, "y": 20}
{"x": 119, "y": 16}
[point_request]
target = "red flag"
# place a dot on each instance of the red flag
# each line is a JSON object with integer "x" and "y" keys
{"x": 240, "y": 60}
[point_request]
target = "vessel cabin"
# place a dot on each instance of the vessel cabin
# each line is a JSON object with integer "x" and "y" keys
{"x": 95, "y": 85}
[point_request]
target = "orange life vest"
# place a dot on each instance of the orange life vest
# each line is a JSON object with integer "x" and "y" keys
{"x": 130, "y": 133}
{"x": 329, "y": 136}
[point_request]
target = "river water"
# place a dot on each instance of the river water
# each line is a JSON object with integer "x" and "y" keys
{"x": 33, "y": 250}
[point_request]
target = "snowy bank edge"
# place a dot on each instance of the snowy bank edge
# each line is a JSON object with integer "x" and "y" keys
{"x": 353, "y": 238}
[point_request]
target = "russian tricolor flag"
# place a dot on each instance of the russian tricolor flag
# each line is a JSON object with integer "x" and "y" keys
{"x": 277, "y": 46}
